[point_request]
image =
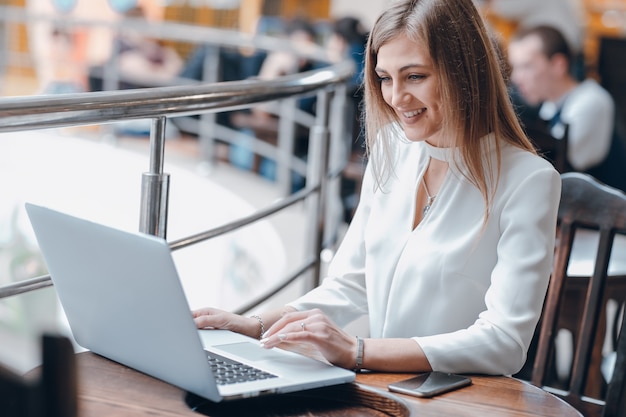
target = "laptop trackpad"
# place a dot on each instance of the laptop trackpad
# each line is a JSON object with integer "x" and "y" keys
{"x": 249, "y": 351}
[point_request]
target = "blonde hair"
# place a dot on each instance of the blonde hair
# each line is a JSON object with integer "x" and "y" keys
{"x": 471, "y": 84}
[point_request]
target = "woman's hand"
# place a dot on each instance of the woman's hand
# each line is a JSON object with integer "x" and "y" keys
{"x": 214, "y": 318}
{"x": 313, "y": 327}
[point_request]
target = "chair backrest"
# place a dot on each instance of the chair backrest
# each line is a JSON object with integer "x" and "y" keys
{"x": 53, "y": 393}
{"x": 585, "y": 204}
{"x": 555, "y": 150}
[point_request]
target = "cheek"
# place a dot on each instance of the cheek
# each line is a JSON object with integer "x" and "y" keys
{"x": 434, "y": 98}
{"x": 516, "y": 75}
{"x": 385, "y": 91}
{"x": 539, "y": 74}
{"x": 522, "y": 77}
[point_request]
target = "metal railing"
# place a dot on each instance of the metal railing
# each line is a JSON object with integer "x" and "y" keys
{"x": 327, "y": 136}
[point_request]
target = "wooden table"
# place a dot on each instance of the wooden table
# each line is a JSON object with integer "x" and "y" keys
{"x": 108, "y": 389}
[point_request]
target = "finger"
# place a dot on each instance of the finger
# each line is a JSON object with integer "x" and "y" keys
{"x": 204, "y": 311}
{"x": 283, "y": 338}
{"x": 286, "y": 320}
{"x": 204, "y": 322}
{"x": 294, "y": 332}
{"x": 214, "y": 319}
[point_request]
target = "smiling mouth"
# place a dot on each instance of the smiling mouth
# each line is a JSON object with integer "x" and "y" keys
{"x": 414, "y": 113}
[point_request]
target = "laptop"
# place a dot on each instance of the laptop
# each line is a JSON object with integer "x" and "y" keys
{"x": 124, "y": 300}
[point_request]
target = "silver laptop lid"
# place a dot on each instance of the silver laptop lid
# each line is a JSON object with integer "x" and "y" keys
{"x": 102, "y": 284}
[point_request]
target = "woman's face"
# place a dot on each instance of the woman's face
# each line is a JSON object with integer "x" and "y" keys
{"x": 410, "y": 86}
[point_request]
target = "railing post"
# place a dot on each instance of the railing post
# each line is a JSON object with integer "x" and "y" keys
{"x": 206, "y": 132}
{"x": 338, "y": 152}
{"x": 155, "y": 185}
{"x": 317, "y": 171}
{"x": 286, "y": 139}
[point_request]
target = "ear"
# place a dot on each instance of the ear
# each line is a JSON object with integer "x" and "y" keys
{"x": 560, "y": 63}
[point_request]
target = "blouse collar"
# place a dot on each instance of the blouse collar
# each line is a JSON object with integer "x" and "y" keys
{"x": 453, "y": 156}
{"x": 453, "y": 153}
{"x": 442, "y": 154}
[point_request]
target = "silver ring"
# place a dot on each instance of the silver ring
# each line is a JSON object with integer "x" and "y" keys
{"x": 302, "y": 325}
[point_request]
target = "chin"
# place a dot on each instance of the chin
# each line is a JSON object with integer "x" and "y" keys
{"x": 416, "y": 139}
{"x": 416, "y": 136}
{"x": 532, "y": 101}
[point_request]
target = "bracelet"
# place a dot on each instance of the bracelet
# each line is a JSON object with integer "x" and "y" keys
{"x": 256, "y": 316}
{"x": 359, "y": 354}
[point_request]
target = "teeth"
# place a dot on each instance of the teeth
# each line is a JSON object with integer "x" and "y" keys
{"x": 413, "y": 113}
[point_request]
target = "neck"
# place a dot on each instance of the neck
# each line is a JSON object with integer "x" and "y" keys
{"x": 562, "y": 88}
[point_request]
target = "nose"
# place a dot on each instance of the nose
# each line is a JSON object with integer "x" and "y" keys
{"x": 399, "y": 95}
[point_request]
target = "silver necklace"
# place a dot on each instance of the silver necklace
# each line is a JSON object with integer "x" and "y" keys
{"x": 430, "y": 199}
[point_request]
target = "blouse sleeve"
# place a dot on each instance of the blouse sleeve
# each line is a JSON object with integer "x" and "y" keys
{"x": 498, "y": 340}
{"x": 342, "y": 294}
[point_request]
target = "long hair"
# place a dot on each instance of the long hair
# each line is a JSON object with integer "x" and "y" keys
{"x": 472, "y": 87}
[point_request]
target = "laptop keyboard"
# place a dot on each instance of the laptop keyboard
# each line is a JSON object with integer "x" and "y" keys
{"x": 227, "y": 371}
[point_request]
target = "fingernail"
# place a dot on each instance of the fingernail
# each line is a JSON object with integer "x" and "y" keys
{"x": 282, "y": 336}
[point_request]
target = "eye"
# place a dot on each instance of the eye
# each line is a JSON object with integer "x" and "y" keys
{"x": 383, "y": 79}
{"x": 416, "y": 77}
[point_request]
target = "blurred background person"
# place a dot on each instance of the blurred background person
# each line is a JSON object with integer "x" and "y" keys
{"x": 138, "y": 61}
{"x": 303, "y": 38}
{"x": 567, "y": 16}
{"x": 141, "y": 61}
{"x": 347, "y": 40}
{"x": 259, "y": 120}
{"x": 540, "y": 60}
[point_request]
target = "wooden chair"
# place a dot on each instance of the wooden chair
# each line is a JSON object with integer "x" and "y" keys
{"x": 579, "y": 303}
{"x": 52, "y": 394}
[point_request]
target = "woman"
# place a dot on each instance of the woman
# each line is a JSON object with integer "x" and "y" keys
{"x": 450, "y": 250}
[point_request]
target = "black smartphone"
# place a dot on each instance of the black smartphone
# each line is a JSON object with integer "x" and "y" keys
{"x": 430, "y": 384}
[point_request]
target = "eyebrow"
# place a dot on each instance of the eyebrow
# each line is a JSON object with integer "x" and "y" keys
{"x": 403, "y": 68}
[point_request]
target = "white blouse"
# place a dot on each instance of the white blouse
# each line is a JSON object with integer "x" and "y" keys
{"x": 469, "y": 294}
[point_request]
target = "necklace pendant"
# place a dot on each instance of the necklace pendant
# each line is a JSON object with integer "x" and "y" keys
{"x": 429, "y": 199}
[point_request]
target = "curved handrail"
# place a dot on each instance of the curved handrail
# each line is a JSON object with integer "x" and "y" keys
{"x": 79, "y": 109}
